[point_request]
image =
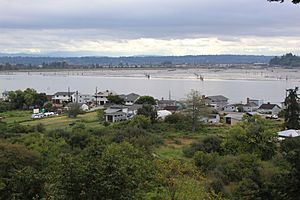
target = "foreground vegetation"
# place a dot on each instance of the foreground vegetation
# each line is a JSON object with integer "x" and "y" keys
{"x": 139, "y": 159}
{"x": 145, "y": 158}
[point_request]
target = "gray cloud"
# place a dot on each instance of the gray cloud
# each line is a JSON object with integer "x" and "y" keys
{"x": 47, "y": 25}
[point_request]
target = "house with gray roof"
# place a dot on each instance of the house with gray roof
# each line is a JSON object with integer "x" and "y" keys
{"x": 117, "y": 113}
{"x": 218, "y": 101}
{"x": 130, "y": 99}
{"x": 269, "y": 108}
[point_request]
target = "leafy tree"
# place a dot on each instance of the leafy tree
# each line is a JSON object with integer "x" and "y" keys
{"x": 120, "y": 171}
{"x": 48, "y": 106}
{"x": 73, "y": 110}
{"x": 254, "y": 135}
{"x": 115, "y": 99}
{"x": 292, "y": 111}
{"x": 18, "y": 172}
{"x": 148, "y": 111}
{"x": 196, "y": 108}
{"x": 208, "y": 145}
{"x": 146, "y": 100}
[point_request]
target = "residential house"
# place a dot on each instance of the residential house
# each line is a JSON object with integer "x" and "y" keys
{"x": 130, "y": 99}
{"x": 163, "y": 104}
{"x": 218, "y": 101}
{"x": 62, "y": 97}
{"x": 211, "y": 119}
{"x": 233, "y": 107}
{"x": 82, "y": 98}
{"x": 250, "y": 107}
{"x": 269, "y": 108}
{"x": 82, "y": 106}
{"x": 258, "y": 102}
{"x": 101, "y": 97}
{"x": 234, "y": 118}
{"x": 117, "y": 113}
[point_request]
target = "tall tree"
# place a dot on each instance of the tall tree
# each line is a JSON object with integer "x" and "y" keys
{"x": 292, "y": 111}
{"x": 196, "y": 107}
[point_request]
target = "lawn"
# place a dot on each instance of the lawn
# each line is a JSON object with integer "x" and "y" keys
{"x": 61, "y": 122}
{"x": 16, "y": 116}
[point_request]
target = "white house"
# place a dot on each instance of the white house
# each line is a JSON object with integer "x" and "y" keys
{"x": 250, "y": 107}
{"x": 82, "y": 98}
{"x": 62, "y": 97}
{"x": 269, "y": 108}
{"x": 117, "y": 113}
{"x": 232, "y": 107}
{"x": 101, "y": 97}
{"x": 211, "y": 119}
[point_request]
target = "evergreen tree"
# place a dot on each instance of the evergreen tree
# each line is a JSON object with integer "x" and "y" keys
{"x": 292, "y": 111}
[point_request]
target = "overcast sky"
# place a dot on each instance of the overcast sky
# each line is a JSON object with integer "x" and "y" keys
{"x": 149, "y": 27}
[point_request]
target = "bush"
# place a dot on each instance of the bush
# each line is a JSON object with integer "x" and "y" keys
{"x": 205, "y": 161}
{"x": 208, "y": 145}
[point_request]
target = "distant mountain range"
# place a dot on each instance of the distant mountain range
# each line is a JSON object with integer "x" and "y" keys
{"x": 28, "y": 59}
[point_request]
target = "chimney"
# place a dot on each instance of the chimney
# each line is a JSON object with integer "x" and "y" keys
{"x": 248, "y": 100}
{"x": 162, "y": 98}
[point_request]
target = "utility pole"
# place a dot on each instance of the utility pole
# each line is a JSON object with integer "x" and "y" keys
{"x": 96, "y": 96}
{"x": 169, "y": 94}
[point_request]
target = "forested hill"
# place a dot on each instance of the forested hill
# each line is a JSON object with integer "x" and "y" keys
{"x": 288, "y": 60}
{"x": 138, "y": 60}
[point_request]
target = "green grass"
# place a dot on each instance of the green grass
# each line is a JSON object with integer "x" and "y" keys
{"x": 16, "y": 116}
{"x": 167, "y": 152}
{"x": 61, "y": 122}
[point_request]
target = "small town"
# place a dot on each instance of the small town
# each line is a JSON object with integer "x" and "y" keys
{"x": 149, "y": 100}
{"x": 123, "y": 107}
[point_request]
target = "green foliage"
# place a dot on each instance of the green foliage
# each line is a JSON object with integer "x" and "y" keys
{"x": 26, "y": 99}
{"x": 140, "y": 121}
{"x": 196, "y": 108}
{"x": 292, "y": 111}
{"x": 48, "y": 106}
{"x": 115, "y": 99}
{"x": 179, "y": 180}
{"x": 179, "y": 121}
{"x": 146, "y": 100}
{"x": 288, "y": 60}
{"x": 252, "y": 136}
{"x": 148, "y": 111}
{"x": 18, "y": 172}
{"x": 73, "y": 110}
{"x": 208, "y": 145}
{"x": 205, "y": 161}
{"x": 4, "y": 106}
{"x": 121, "y": 171}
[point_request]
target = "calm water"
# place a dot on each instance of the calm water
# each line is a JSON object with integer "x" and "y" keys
{"x": 237, "y": 85}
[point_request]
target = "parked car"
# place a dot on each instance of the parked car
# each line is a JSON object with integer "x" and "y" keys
{"x": 271, "y": 117}
{"x": 37, "y": 116}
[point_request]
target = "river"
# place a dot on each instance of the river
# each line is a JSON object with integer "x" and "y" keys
{"x": 236, "y": 84}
